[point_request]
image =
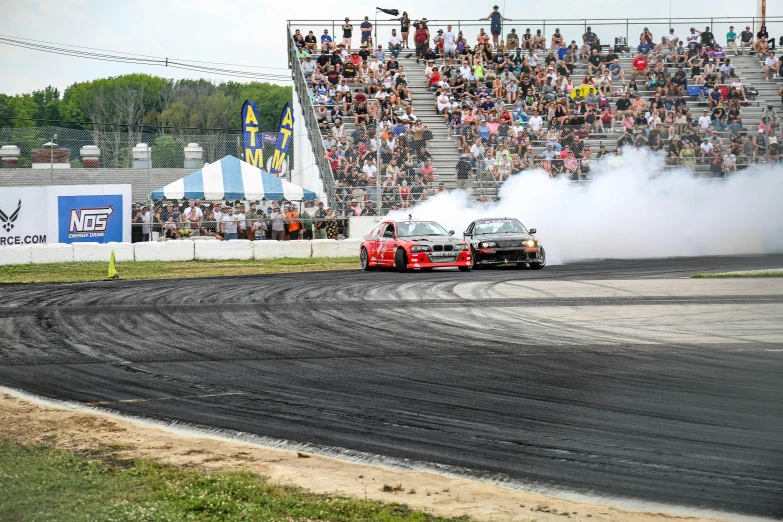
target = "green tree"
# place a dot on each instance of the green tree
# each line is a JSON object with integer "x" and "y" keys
{"x": 168, "y": 152}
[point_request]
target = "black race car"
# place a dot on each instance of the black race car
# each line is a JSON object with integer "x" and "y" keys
{"x": 499, "y": 241}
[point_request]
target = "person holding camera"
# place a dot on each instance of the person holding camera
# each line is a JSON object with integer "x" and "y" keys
{"x": 278, "y": 220}
{"x": 230, "y": 224}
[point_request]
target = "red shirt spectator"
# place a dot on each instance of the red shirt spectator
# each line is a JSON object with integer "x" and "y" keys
{"x": 427, "y": 172}
{"x": 640, "y": 63}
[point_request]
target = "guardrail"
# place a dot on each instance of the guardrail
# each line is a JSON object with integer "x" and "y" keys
{"x": 308, "y": 113}
{"x": 573, "y": 28}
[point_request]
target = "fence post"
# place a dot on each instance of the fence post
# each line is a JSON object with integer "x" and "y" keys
{"x": 766, "y": 144}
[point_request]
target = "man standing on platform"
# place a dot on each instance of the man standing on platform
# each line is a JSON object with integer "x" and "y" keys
{"x": 495, "y": 24}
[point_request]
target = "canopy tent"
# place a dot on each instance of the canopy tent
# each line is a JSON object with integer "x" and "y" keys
{"x": 232, "y": 178}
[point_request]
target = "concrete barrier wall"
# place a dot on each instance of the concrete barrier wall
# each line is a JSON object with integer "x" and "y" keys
{"x": 332, "y": 248}
{"x": 102, "y": 252}
{"x": 179, "y": 251}
{"x": 165, "y": 251}
{"x": 16, "y": 255}
{"x": 280, "y": 249}
{"x": 239, "y": 249}
{"x": 52, "y": 253}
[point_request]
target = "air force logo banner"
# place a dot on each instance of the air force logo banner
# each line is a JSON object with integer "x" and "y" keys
{"x": 96, "y": 218}
{"x": 65, "y": 214}
{"x": 23, "y": 216}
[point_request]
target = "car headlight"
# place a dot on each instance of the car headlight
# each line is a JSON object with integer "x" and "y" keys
{"x": 488, "y": 244}
{"x": 420, "y": 248}
{"x": 530, "y": 243}
{"x": 461, "y": 247}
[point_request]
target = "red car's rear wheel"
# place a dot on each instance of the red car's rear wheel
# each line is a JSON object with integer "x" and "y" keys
{"x": 364, "y": 260}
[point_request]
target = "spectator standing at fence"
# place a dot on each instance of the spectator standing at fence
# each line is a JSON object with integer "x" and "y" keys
{"x": 295, "y": 229}
{"x": 319, "y": 225}
{"x": 420, "y": 38}
{"x": 366, "y": 28}
{"x": 405, "y": 25}
{"x": 145, "y": 218}
{"x": 347, "y": 33}
{"x": 449, "y": 45}
{"x": 193, "y": 224}
{"x": 496, "y": 23}
{"x": 278, "y": 220}
{"x": 331, "y": 225}
{"x": 230, "y": 224}
{"x": 193, "y": 208}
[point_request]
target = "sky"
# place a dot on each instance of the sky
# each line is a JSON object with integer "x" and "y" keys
{"x": 252, "y": 32}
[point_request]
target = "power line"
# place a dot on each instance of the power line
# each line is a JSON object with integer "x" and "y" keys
{"x": 143, "y": 55}
{"x": 162, "y": 62}
{"x": 83, "y": 123}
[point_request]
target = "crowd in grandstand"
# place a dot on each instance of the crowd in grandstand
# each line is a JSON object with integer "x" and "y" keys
{"x": 524, "y": 100}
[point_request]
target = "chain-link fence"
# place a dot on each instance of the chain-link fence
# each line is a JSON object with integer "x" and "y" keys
{"x": 228, "y": 220}
{"x": 115, "y": 149}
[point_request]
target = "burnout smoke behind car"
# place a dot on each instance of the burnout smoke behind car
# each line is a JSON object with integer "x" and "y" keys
{"x": 632, "y": 208}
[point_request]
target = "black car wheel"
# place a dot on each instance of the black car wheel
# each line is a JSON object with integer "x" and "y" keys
{"x": 539, "y": 264}
{"x": 400, "y": 260}
{"x": 521, "y": 265}
{"x": 364, "y": 260}
{"x": 464, "y": 268}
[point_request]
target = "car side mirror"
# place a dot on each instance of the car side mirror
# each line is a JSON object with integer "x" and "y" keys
{"x": 532, "y": 231}
{"x": 451, "y": 232}
{"x": 466, "y": 233}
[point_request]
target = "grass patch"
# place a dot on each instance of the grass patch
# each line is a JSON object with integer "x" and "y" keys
{"x": 42, "y": 483}
{"x": 749, "y": 273}
{"x": 97, "y": 271}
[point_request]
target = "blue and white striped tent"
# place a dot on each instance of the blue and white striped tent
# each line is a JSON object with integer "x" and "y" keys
{"x": 231, "y": 178}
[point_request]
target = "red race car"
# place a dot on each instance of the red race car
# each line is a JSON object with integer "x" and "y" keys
{"x": 410, "y": 244}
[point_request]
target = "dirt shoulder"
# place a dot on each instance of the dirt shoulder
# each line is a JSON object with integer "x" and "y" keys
{"x": 29, "y": 421}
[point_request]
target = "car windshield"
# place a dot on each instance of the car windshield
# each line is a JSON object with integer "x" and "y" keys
{"x": 420, "y": 228}
{"x": 499, "y": 226}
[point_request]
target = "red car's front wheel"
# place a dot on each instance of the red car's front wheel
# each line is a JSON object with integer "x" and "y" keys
{"x": 401, "y": 260}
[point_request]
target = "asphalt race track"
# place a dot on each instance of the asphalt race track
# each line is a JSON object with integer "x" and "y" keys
{"x": 608, "y": 378}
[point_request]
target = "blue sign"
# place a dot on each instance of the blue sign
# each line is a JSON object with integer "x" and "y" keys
{"x": 254, "y": 148}
{"x": 84, "y": 219}
{"x": 283, "y": 139}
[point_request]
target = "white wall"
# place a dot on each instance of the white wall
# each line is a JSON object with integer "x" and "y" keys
{"x": 360, "y": 226}
{"x": 305, "y": 172}
{"x": 184, "y": 250}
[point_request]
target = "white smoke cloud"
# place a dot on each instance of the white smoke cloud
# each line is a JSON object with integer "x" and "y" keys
{"x": 634, "y": 210}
